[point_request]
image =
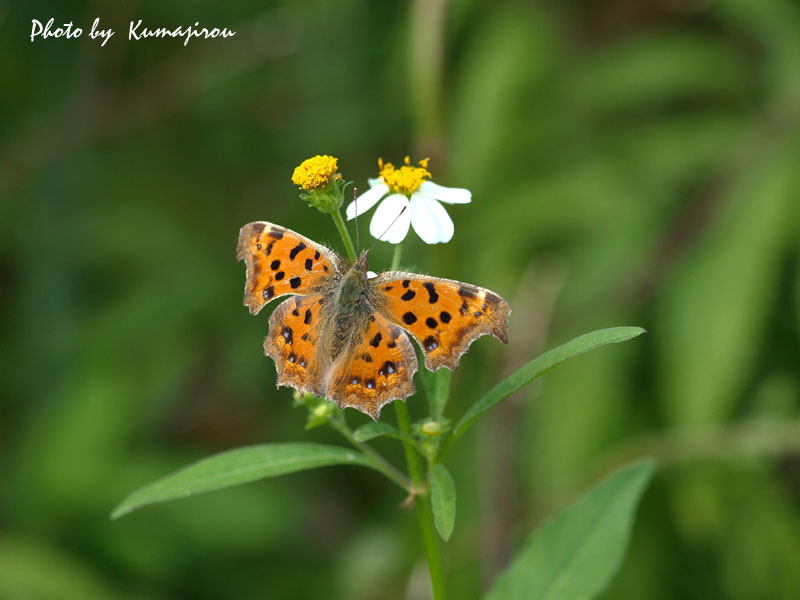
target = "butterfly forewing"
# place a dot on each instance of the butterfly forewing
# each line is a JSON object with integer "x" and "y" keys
{"x": 378, "y": 369}
{"x": 279, "y": 262}
{"x": 444, "y": 316}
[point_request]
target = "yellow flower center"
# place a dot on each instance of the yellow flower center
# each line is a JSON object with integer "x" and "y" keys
{"x": 316, "y": 172}
{"x": 407, "y": 178}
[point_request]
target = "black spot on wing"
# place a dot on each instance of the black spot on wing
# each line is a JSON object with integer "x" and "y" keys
{"x": 296, "y": 250}
{"x": 375, "y": 341}
{"x": 294, "y": 282}
{"x": 430, "y": 343}
{"x": 408, "y": 295}
{"x": 307, "y": 318}
{"x": 445, "y": 317}
{"x": 387, "y": 369}
{"x": 309, "y": 264}
{"x": 287, "y": 334}
{"x": 406, "y": 282}
{"x": 409, "y": 318}
{"x": 433, "y": 297}
{"x": 268, "y": 292}
{"x": 366, "y": 357}
{"x": 275, "y": 233}
{"x": 316, "y": 255}
{"x": 431, "y": 322}
{"x": 279, "y": 275}
{"x": 275, "y": 265}
{"x": 370, "y": 384}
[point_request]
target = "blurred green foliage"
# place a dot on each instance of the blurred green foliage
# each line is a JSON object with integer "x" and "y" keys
{"x": 630, "y": 163}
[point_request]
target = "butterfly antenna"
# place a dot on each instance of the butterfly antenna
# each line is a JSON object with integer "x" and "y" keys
{"x": 380, "y": 239}
{"x": 355, "y": 201}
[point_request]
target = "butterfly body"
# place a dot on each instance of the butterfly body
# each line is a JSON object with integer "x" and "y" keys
{"x": 342, "y": 334}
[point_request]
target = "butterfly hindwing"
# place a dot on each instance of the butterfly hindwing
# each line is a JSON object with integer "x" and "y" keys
{"x": 279, "y": 262}
{"x": 292, "y": 343}
{"x": 378, "y": 369}
{"x": 444, "y": 316}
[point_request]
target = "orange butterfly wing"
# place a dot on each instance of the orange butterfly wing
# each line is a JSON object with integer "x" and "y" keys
{"x": 280, "y": 261}
{"x": 444, "y": 316}
{"x": 378, "y": 370}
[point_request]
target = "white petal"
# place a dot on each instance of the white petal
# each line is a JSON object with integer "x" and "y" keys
{"x": 374, "y": 182}
{"x": 446, "y": 194}
{"x": 366, "y": 201}
{"x": 387, "y": 213}
{"x": 371, "y": 274}
{"x": 430, "y": 219}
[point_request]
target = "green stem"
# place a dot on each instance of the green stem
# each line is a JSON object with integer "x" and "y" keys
{"x": 348, "y": 242}
{"x": 424, "y": 514}
{"x": 398, "y": 252}
{"x": 380, "y": 463}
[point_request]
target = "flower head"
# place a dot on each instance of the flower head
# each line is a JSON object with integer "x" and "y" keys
{"x": 405, "y": 180}
{"x": 316, "y": 172}
{"x": 322, "y": 184}
{"x": 408, "y": 198}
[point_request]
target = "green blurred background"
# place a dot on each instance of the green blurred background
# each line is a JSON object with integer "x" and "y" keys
{"x": 631, "y": 163}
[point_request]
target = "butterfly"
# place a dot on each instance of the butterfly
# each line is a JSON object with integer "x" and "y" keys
{"x": 343, "y": 334}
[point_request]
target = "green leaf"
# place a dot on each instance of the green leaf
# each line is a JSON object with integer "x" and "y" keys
{"x": 443, "y": 501}
{"x": 575, "y": 554}
{"x": 239, "y": 466}
{"x": 377, "y": 429}
{"x": 537, "y": 367}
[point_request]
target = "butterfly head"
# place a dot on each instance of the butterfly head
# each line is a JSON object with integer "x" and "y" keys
{"x": 361, "y": 265}
{"x": 354, "y": 282}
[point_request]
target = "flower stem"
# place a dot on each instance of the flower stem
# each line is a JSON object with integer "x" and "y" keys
{"x": 398, "y": 252}
{"x": 348, "y": 242}
{"x": 424, "y": 514}
{"x": 380, "y": 463}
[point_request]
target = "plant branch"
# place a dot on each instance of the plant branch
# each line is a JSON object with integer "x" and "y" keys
{"x": 424, "y": 513}
{"x": 348, "y": 242}
{"x": 381, "y": 464}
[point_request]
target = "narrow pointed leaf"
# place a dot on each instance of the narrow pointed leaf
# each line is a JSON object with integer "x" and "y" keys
{"x": 377, "y": 429}
{"x": 235, "y": 467}
{"x": 537, "y": 367}
{"x": 443, "y": 501}
{"x": 575, "y": 554}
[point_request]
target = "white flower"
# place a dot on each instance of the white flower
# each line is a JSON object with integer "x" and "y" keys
{"x": 409, "y": 193}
